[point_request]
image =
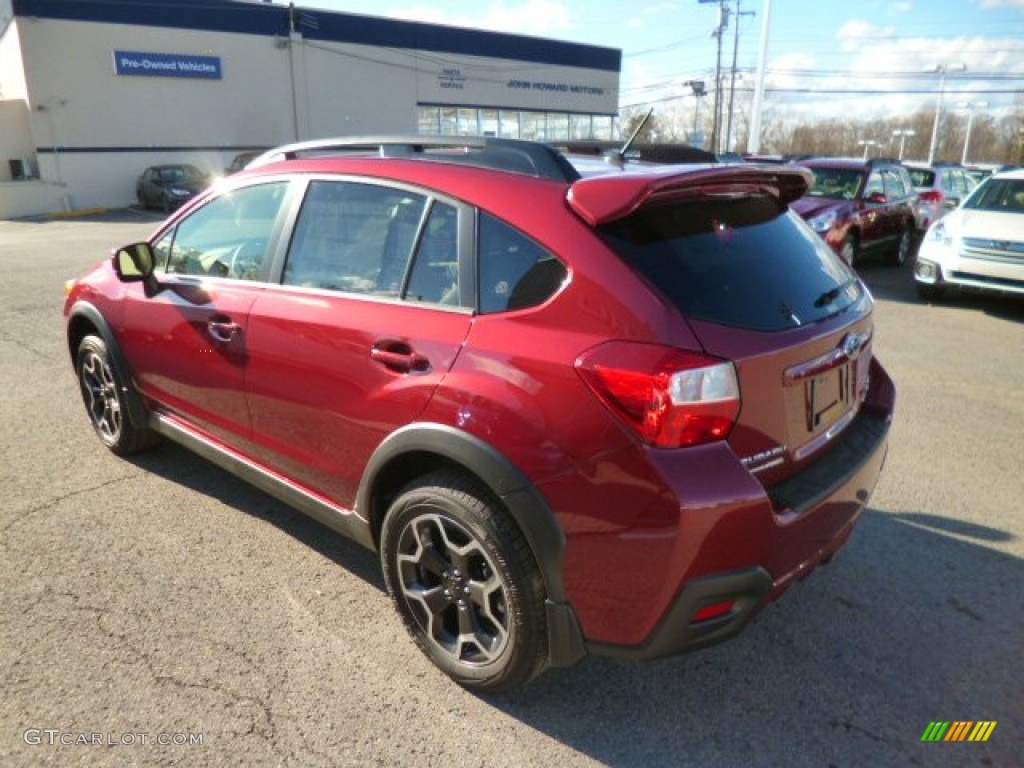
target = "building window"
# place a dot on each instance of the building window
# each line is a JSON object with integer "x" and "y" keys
{"x": 469, "y": 124}
{"x": 508, "y": 126}
{"x": 558, "y": 127}
{"x": 513, "y": 124}
{"x": 449, "y": 121}
{"x": 428, "y": 120}
{"x": 579, "y": 127}
{"x": 489, "y": 122}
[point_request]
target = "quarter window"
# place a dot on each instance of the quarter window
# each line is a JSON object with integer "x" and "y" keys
{"x": 227, "y": 237}
{"x": 515, "y": 272}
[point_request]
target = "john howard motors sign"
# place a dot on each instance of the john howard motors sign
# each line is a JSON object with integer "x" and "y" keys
{"x": 167, "y": 65}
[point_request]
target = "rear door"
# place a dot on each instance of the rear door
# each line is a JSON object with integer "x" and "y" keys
{"x": 367, "y": 320}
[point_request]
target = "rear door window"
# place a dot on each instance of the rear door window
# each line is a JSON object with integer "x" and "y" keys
{"x": 746, "y": 262}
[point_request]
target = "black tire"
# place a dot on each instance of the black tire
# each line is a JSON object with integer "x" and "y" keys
{"x": 456, "y": 565}
{"x": 930, "y": 292}
{"x": 901, "y": 254}
{"x": 104, "y": 396}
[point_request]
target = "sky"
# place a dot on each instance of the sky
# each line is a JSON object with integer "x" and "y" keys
{"x": 825, "y": 58}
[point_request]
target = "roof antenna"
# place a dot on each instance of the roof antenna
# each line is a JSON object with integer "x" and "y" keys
{"x": 619, "y": 156}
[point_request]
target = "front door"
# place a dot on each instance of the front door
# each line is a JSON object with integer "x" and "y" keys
{"x": 187, "y": 347}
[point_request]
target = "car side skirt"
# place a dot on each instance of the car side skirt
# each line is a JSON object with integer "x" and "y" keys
{"x": 340, "y": 519}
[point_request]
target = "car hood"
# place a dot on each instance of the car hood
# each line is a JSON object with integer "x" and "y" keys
{"x": 809, "y": 207}
{"x": 988, "y": 225}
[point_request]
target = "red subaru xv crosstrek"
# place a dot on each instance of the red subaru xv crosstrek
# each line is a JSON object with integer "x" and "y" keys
{"x": 616, "y": 414}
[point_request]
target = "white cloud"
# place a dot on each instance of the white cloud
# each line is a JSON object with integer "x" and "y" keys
{"x": 853, "y": 35}
{"x": 1001, "y": 3}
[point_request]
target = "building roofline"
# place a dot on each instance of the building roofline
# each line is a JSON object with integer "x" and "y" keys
{"x": 327, "y": 26}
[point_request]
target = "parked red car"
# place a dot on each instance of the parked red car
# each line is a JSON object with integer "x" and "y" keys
{"x": 860, "y": 206}
{"x": 611, "y": 415}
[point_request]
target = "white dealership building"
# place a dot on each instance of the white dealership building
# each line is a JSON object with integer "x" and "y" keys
{"x": 93, "y": 91}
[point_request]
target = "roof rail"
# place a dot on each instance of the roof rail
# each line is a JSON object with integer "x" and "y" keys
{"x": 528, "y": 157}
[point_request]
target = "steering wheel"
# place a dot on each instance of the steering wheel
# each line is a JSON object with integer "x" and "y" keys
{"x": 246, "y": 258}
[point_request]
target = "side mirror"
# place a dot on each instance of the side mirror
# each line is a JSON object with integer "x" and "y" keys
{"x": 876, "y": 197}
{"x": 135, "y": 264}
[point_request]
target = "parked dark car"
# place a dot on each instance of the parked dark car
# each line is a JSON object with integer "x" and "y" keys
{"x": 614, "y": 415}
{"x": 242, "y": 159}
{"x": 860, "y": 206}
{"x": 169, "y": 186}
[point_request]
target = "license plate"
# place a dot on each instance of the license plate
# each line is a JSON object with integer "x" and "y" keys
{"x": 827, "y": 397}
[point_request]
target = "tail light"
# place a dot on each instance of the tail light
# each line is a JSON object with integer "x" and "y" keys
{"x": 672, "y": 398}
{"x": 931, "y": 196}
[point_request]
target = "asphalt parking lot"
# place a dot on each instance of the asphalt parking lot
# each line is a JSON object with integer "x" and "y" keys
{"x": 161, "y": 597}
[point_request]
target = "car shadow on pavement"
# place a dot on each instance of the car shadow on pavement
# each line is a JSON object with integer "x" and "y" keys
{"x": 918, "y": 620}
{"x": 185, "y": 468}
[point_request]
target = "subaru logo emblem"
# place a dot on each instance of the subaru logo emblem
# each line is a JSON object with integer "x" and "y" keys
{"x": 852, "y": 344}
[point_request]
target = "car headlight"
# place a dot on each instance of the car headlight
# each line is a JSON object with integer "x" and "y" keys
{"x": 940, "y": 234}
{"x": 823, "y": 222}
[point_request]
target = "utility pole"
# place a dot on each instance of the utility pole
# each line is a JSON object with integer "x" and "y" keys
{"x": 732, "y": 80}
{"x": 754, "y": 144}
{"x": 723, "y": 23}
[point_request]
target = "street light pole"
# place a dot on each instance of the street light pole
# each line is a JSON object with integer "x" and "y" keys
{"x": 697, "y": 86}
{"x": 867, "y": 144}
{"x": 971, "y": 106}
{"x": 903, "y": 133}
{"x": 941, "y": 69}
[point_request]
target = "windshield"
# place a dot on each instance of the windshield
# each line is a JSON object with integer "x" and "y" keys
{"x": 746, "y": 262}
{"x": 838, "y": 183}
{"x": 181, "y": 173}
{"x": 1005, "y": 195}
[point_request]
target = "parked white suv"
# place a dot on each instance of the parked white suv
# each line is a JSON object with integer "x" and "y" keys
{"x": 980, "y": 245}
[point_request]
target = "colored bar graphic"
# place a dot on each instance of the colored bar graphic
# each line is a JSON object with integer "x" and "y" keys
{"x": 958, "y": 730}
{"x": 982, "y": 731}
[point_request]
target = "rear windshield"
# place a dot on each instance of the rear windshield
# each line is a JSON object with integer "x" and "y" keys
{"x": 746, "y": 262}
{"x": 921, "y": 177}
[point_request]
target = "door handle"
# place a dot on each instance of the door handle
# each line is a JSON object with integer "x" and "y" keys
{"x": 223, "y": 330}
{"x": 399, "y": 357}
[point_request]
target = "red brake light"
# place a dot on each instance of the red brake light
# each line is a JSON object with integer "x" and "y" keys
{"x": 670, "y": 397}
{"x": 932, "y": 196}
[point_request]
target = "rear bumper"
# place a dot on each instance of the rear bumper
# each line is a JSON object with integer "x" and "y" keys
{"x": 682, "y": 630}
{"x": 731, "y": 544}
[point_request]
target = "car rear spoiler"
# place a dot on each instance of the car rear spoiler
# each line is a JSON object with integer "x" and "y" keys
{"x": 603, "y": 199}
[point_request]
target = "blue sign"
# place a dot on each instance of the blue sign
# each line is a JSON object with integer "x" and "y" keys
{"x": 167, "y": 65}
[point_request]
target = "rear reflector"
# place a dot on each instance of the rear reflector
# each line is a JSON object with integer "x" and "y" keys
{"x": 932, "y": 196}
{"x": 671, "y": 398}
{"x": 712, "y": 611}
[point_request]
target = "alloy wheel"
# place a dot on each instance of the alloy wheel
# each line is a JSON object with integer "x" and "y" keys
{"x": 101, "y": 396}
{"x": 453, "y": 589}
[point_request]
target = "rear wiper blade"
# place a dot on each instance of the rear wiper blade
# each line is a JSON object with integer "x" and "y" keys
{"x": 829, "y": 296}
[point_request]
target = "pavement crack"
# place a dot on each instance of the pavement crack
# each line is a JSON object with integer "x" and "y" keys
{"x": 53, "y": 503}
{"x": 958, "y": 606}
